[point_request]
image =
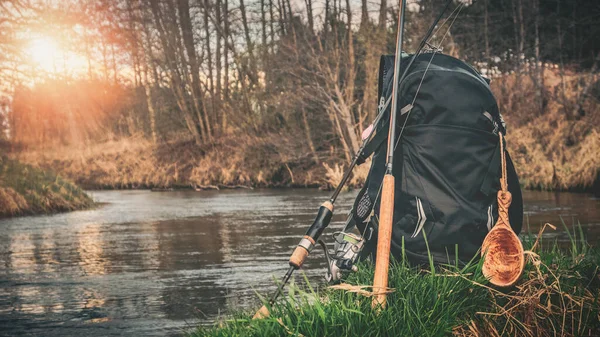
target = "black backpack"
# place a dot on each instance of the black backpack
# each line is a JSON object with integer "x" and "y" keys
{"x": 446, "y": 163}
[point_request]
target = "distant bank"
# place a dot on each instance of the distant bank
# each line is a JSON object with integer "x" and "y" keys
{"x": 26, "y": 190}
{"x": 230, "y": 162}
{"x": 274, "y": 160}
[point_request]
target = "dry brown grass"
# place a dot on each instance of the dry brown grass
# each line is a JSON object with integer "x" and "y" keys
{"x": 549, "y": 301}
{"x": 137, "y": 163}
{"x": 360, "y": 173}
{"x": 530, "y": 307}
{"x": 11, "y": 202}
{"x": 557, "y": 148}
{"x": 333, "y": 174}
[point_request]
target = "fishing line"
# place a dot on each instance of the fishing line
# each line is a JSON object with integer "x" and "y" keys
{"x": 417, "y": 93}
{"x": 325, "y": 213}
{"x": 420, "y": 49}
{"x": 419, "y": 52}
{"x": 425, "y": 73}
{"x": 459, "y": 9}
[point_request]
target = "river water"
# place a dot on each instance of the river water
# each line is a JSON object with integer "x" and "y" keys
{"x": 160, "y": 263}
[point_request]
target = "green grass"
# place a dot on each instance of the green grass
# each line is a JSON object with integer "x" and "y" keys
{"x": 558, "y": 295}
{"x": 25, "y": 189}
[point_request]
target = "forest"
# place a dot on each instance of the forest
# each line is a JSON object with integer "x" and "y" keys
{"x": 221, "y": 93}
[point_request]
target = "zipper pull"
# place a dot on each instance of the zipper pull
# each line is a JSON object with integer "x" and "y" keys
{"x": 381, "y": 103}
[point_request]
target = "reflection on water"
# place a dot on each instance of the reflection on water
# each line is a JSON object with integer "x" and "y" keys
{"x": 157, "y": 263}
{"x": 558, "y": 208}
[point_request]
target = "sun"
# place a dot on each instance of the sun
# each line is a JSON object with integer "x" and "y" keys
{"x": 44, "y": 53}
{"x": 49, "y": 56}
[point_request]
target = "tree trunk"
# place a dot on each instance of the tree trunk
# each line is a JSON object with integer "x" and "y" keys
{"x": 135, "y": 49}
{"x": 272, "y": 26}
{"x": 515, "y": 19}
{"x": 311, "y": 146}
{"x": 188, "y": 42}
{"x": 175, "y": 77}
{"x": 345, "y": 111}
{"x": 104, "y": 61}
{"x": 263, "y": 26}
{"x": 151, "y": 110}
{"x": 226, "y": 63}
{"x": 351, "y": 66}
{"x": 371, "y": 65}
{"x": 249, "y": 45}
{"x": 326, "y": 20}
{"x": 580, "y": 112}
{"x": 486, "y": 30}
{"x": 282, "y": 16}
{"x": 149, "y": 65}
{"x": 114, "y": 63}
{"x": 364, "y": 14}
{"x": 309, "y": 14}
{"x": 209, "y": 57}
{"x": 218, "y": 68}
{"x": 539, "y": 67}
{"x": 88, "y": 56}
{"x": 290, "y": 14}
{"x": 521, "y": 29}
{"x": 336, "y": 124}
{"x": 560, "y": 55}
{"x": 335, "y": 16}
{"x": 382, "y": 15}
{"x": 187, "y": 90}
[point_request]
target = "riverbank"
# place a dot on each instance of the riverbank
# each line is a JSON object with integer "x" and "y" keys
{"x": 25, "y": 189}
{"x": 557, "y": 294}
{"x": 248, "y": 161}
{"x": 273, "y": 160}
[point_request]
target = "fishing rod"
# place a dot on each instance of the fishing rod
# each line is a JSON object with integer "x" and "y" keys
{"x": 325, "y": 212}
{"x": 386, "y": 210}
{"x": 319, "y": 224}
{"x": 380, "y": 279}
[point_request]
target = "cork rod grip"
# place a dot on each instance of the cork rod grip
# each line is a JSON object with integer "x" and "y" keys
{"x": 384, "y": 234}
{"x": 298, "y": 257}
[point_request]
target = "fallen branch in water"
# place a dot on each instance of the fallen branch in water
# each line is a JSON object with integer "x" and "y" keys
{"x": 235, "y": 187}
{"x": 205, "y": 187}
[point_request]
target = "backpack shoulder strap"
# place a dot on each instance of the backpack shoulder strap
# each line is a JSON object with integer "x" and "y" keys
{"x": 386, "y": 68}
{"x": 386, "y": 64}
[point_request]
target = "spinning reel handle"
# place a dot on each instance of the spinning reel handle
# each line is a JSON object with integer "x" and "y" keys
{"x": 312, "y": 235}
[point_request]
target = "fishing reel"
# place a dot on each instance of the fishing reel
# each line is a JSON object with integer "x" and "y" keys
{"x": 347, "y": 251}
{"x": 349, "y": 247}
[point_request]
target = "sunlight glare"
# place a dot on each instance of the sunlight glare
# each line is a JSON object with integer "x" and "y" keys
{"x": 47, "y": 55}
{"x": 44, "y": 53}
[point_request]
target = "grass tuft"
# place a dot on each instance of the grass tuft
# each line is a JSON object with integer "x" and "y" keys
{"x": 25, "y": 189}
{"x": 557, "y": 295}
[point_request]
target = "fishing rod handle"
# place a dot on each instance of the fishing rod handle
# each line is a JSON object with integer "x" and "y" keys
{"x": 312, "y": 235}
{"x": 384, "y": 239}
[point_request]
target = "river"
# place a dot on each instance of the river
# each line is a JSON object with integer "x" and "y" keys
{"x": 160, "y": 263}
